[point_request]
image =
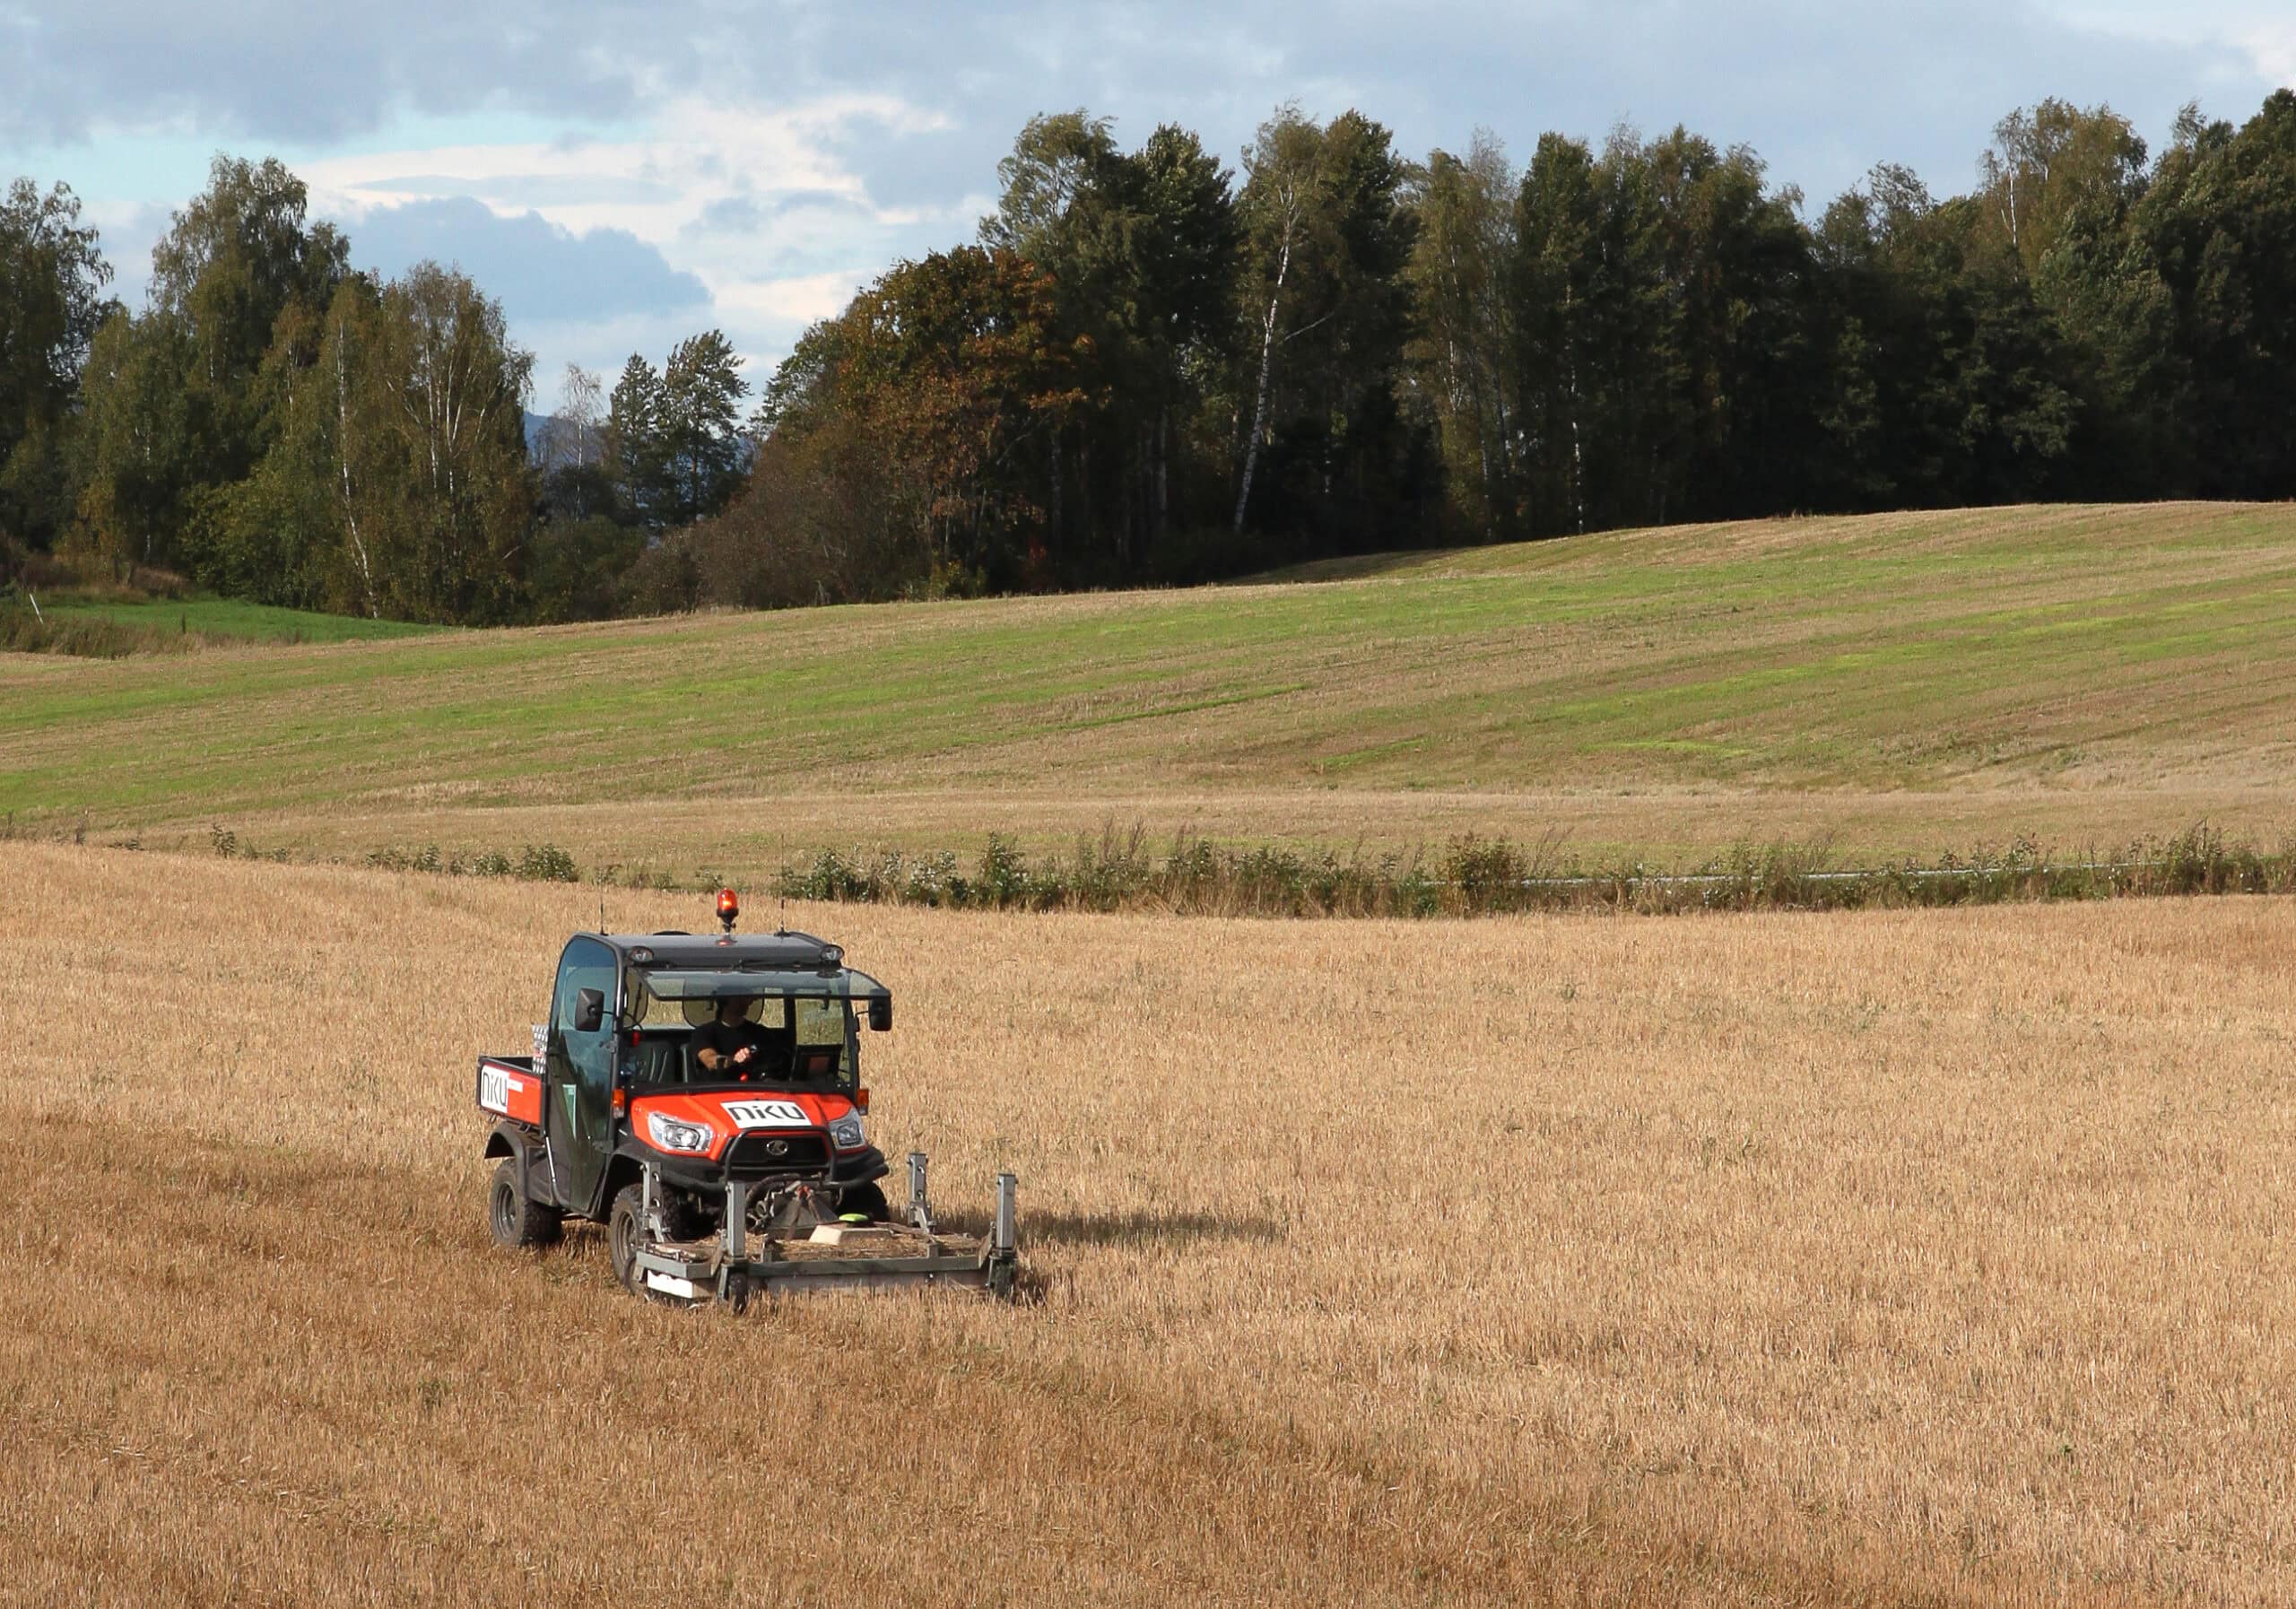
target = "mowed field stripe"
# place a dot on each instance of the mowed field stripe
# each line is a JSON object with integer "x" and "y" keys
{"x": 2064, "y": 652}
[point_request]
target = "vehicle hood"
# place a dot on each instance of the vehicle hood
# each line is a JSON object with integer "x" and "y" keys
{"x": 729, "y": 1113}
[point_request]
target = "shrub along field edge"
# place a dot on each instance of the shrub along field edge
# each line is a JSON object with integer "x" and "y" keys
{"x": 1119, "y": 871}
{"x": 1481, "y": 876}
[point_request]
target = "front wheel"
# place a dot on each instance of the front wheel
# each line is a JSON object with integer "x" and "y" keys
{"x": 625, "y": 1225}
{"x": 515, "y": 1218}
{"x": 625, "y": 1232}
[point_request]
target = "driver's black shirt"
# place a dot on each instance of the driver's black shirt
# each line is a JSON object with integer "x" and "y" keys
{"x": 726, "y": 1038}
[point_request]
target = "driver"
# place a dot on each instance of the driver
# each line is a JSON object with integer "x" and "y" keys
{"x": 731, "y": 1045}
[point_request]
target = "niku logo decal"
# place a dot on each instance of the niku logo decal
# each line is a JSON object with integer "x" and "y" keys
{"x": 494, "y": 1089}
{"x": 766, "y": 1114}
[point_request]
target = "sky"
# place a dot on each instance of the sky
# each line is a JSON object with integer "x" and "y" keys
{"x": 623, "y": 175}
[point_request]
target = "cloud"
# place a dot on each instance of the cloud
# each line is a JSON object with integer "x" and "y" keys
{"x": 800, "y": 300}
{"x": 695, "y": 167}
{"x": 2259, "y": 28}
{"x": 770, "y": 227}
{"x": 776, "y": 152}
{"x": 539, "y": 270}
{"x": 277, "y": 70}
{"x": 2274, "y": 45}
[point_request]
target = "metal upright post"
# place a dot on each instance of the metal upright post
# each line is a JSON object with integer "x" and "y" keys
{"x": 737, "y": 1209}
{"x": 920, "y": 1215}
{"x": 1008, "y": 1191}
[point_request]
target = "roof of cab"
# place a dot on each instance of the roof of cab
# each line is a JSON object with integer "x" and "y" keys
{"x": 768, "y": 951}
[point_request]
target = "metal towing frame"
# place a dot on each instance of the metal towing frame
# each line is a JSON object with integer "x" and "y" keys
{"x": 730, "y": 1274}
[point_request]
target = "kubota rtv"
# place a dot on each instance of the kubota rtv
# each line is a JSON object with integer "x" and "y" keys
{"x": 716, "y": 1181}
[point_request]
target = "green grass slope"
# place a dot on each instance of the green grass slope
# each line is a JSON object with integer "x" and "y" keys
{"x": 232, "y": 618}
{"x": 1900, "y": 680}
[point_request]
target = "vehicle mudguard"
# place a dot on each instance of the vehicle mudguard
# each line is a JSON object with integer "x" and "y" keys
{"x": 509, "y": 1139}
{"x": 858, "y": 1167}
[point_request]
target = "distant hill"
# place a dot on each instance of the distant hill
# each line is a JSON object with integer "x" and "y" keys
{"x": 1891, "y": 684}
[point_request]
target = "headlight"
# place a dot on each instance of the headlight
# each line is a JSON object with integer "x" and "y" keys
{"x": 846, "y": 1135}
{"x": 670, "y": 1134}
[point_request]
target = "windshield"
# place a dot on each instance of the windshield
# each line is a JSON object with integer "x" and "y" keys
{"x": 800, "y": 1012}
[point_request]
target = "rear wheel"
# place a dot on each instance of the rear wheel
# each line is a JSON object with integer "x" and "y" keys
{"x": 515, "y": 1217}
{"x": 867, "y": 1199}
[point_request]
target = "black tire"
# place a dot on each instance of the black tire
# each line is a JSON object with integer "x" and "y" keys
{"x": 516, "y": 1219}
{"x": 622, "y": 1229}
{"x": 865, "y": 1198}
{"x": 624, "y": 1225}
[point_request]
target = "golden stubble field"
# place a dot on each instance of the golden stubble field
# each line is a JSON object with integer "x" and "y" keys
{"x": 1923, "y": 1257}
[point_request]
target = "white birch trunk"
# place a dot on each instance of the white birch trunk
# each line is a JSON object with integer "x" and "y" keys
{"x": 1266, "y": 363}
{"x": 1577, "y": 455}
{"x": 342, "y": 459}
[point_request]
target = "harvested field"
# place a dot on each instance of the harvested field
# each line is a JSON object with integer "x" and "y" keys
{"x": 1892, "y": 1257}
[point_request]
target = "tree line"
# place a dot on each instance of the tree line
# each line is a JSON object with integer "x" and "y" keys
{"x": 276, "y": 426}
{"x": 1149, "y": 367}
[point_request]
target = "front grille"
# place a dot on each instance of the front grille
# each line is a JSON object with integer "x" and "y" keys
{"x": 802, "y": 1151}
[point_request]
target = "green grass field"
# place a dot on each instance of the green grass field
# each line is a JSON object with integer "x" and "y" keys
{"x": 232, "y": 618}
{"x": 1895, "y": 685}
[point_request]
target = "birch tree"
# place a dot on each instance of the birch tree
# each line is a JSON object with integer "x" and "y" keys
{"x": 1329, "y": 232}
{"x": 1463, "y": 345}
{"x": 570, "y": 436}
{"x": 201, "y": 402}
{"x": 233, "y": 260}
{"x": 1283, "y": 169}
{"x": 2046, "y": 161}
{"x": 419, "y": 422}
{"x": 461, "y": 386}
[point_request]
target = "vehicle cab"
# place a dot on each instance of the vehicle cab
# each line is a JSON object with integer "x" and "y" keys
{"x": 797, "y": 1107}
{"x": 616, "y": 1089}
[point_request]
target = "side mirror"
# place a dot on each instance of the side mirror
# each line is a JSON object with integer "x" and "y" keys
{"x": 881, "y": 1016}
{"x": 589, "y": 1011}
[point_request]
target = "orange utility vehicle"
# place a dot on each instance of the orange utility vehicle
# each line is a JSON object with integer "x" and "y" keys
{"x": 716, "y": 1182}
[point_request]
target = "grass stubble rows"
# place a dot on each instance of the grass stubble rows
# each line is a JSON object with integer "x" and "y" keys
{"x": 1884, "y": 1257}
{"x": 1892, "y": 685}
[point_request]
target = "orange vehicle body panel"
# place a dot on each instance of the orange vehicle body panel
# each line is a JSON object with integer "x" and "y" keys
{"x": 509, "y": 1091}
{"x": 726, "y": 1113}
